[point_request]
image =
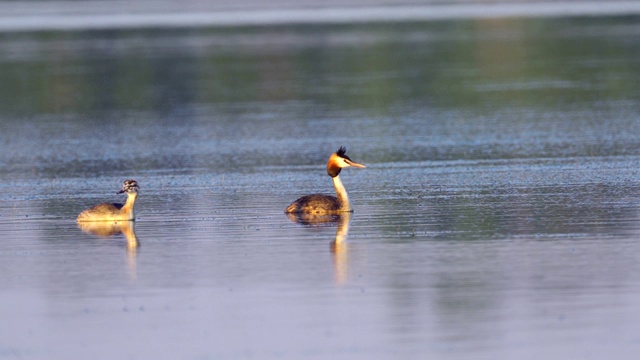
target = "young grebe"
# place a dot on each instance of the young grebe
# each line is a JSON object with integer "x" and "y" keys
{"x": 320, "y": 204}
{"x": 114, "y": 212}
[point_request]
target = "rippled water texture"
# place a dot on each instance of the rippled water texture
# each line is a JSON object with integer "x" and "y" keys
{"x": 497, "y": 217}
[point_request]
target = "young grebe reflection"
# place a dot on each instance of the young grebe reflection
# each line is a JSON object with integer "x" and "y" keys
{"x": 114, "y": 212}
{"x": 326, "y": 204}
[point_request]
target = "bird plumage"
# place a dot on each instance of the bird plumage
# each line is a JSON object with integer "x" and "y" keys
{"x": 114, "y": 211}
{"x": 320, "y": 204}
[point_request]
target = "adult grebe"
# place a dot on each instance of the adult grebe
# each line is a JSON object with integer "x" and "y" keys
{"x": 320, "y": 204}
{"x": 114, "y": 212}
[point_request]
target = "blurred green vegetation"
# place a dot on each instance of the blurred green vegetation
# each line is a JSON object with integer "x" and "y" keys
{"x": 375, "y": 68}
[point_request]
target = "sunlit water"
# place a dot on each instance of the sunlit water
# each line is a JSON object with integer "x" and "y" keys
{"x": 497, "y": 216}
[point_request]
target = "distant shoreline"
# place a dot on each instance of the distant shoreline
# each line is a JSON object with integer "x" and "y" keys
{"x": 77, "y": 16}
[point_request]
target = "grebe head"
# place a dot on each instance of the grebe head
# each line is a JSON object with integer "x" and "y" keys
{"x": 339, "y": 160}
{"x": 129, "y": 187}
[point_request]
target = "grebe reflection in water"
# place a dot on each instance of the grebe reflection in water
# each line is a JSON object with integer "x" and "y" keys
{"x": 107, "y": 229}
{"x": 339, "y": 245}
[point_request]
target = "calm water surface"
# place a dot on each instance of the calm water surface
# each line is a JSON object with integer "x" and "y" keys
{"x": 497, "y": 218}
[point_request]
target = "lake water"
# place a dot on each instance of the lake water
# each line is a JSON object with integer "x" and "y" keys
{"x": 498, "y": 216}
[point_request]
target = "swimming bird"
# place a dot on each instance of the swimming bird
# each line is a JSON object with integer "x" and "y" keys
{"x": 320, "y": 204}
{"x": 114, "y": 212}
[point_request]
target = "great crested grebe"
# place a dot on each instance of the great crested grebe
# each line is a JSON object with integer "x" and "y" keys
{"x": 320, "y": 204}
{"x": 114, "y": 212}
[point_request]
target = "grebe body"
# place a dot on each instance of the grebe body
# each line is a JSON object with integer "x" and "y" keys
{"x": 320, "y": 204}
{"x": 114, "y": 212}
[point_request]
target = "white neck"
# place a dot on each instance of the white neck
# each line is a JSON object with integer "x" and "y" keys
{"x": 345, "y": 205}
{"x": 128, "y": 206}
